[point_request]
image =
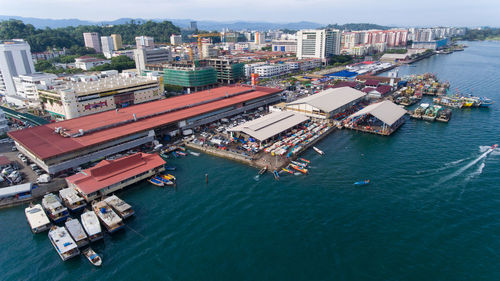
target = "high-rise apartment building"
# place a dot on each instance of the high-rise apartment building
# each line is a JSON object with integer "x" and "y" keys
{"x": 145, "y": 42}
{"x": 107, "y": 46}
{"x": 15, "y": 60}
{"x": 176, "y": 39}
{"x": 318, "y": 43}
{"x": 92, "y": 41}
{"x": 117, "y": 41}
{"x": 194, "y": 25}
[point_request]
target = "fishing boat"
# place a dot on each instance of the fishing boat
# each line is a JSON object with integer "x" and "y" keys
{"x": 320, "y": 152}
{"x": 92, "y": 256}
{"x": 298, "y": 168}
{"x": 449, "y": 102}
{"x": 181, "y": 153}
{"x": 56, "y": 211}
{"x": 111, "y": 221}
{"x": 263, "y": 170}
{"x": 287, "y": 171}
{"x": 71, "y": 199}
{"x": 303, "y": 165}
{"x": 169, "y": 177}
{"x": 123, "y": 209}
{"x": 76, "y": 231}
{"x": 164, "y": 180}
{"x": 485, "y": 102}
{"x": 363, "y": 182}
{"x": 163, "y": 155}
{"x": 194, "y": 153}
{"x": 444, "y": 115}
{"x": 168, "y": 168}
{"x": 90, "y": 223}
{"x": 37, "y": 219}
{"x": 419, "y": 112}
{"x": 156, "y": 182}
{"x": 431, "y": 113}
{"x": 276, "y": 175}
{"x": 63, "y": 243}
{"x": 305, "y": 160}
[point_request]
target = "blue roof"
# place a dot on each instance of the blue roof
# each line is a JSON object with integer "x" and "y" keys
{"x": 343, "y": 73}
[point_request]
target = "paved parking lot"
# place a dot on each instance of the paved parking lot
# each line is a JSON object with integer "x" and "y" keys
{"x": 25, "y": 170}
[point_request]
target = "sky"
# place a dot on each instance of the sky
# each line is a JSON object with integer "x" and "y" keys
{"x": 385, "y": 12}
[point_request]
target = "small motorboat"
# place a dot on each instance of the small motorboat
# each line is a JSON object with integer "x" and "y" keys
{"x": 319, "y": 151}
{"x": 164, "y": 180}
{"x": 300, "y": 164}
{"x": 92, "y": 256}
{"x": 276, "y": 175}
{"x": 155, "y": 182}
{"x": 305, "y": 160}
{"x": 298, "y": 168}
{"x": 169, "y": 177}
{"x": 494, "y": 146}
{"x": 163, "y": 155}
{"x": 263, "y": 170}
{"x": 194, "y": 153}
{"x": 364, "y": 182}
{"x": 181, "y": 153}
{"x": 288, "y": 171}
{"x": 168, "y": 168}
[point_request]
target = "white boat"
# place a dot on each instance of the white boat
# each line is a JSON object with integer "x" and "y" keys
{"x": 92, "y": 256}
{"x": 76, "y": 231}
{"x": 37, "y": 219}
{"x": 56, "y": 211}
{"x": 318, "y": 150}
{"x": 63, "y": 243}
{"x": 123, "y": 209}
{"x": 194, "y": 153}
{"x": 91, "y": 225}
{"x": 72, "y": 199}
{"x": 107, "y": 216}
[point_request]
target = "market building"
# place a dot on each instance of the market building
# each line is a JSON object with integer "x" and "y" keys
{"x": 326, "y": 104}
{"x": 381, "y": 118}
{"x": 111, "y": 175}
{"x": 57, "y": 147}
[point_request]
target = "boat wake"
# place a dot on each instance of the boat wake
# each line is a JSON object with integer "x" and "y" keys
{"x": 466, "y": 167}
{"x": 477, "y": 172}
{"x": 445, "y": 166}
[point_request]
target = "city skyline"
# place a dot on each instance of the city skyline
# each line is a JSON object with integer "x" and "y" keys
{"x": 392, "y": 13}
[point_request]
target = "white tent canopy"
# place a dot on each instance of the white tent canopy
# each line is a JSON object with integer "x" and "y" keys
{"x": 386, "y": 111}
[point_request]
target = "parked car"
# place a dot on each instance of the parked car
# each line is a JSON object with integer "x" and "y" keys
{"x": 14, "y": 148}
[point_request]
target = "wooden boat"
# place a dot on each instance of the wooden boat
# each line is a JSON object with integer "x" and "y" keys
{"x": 92, "y": 256}
{"x": 276, "y": 175}
{"x": 300, "y": 164}
{"x": 320, "y": 152}
{"x": 363, "y": 182}
{"x": 169, "y": 177}
{"x": 300, "y": 169}
{"x": 155, "y": 182}
{"x": 305, "y": 160}
{"x": 181, "y": 153}
{"x": 163, "y": 155}
{"x": 168, "y": 168}
{"x": 164, "y": 180}
{"x": 444, "y": 115}
{"x": 287, "y": 171}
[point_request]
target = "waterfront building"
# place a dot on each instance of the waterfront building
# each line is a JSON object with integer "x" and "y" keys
{"x": 56, "y": 147}
{"x": 288, "y": 46}
{"x": 382, "y": 118}
{"x": 92, "y": 41}
{"x": 268, "y": 127}
{"x": 432, "y": 44}
{"x": 73, "y": 99}
{"x": 88, "y": 62}
{"x": 229, "y": 71}
{"x": 107, "y": 46}
{"x": 143, "y": 57}
{"x": 15, "y": 60}
{"x": 176, "y": 39}
{"x": 144, "y": 42}
{"x": 318, "y": 43}
{"x": 117, "y": 41}
{"x": 326, "y": 104}
{"x": 109, "y": 176}
{"x": 27, "y": 86}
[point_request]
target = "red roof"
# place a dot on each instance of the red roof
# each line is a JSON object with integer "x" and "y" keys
{"x": 109, "y": 172}
{"x": 384, "y": 89}
{"x": 45, "y": 143}
{"x": 368, "y": 89}
{"x": 372, "y": 83}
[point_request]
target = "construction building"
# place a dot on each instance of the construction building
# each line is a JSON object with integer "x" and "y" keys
{"x": 74, "y": 99}
{"x": 229, "y": 71}
{"x": 191, "y": 76}
{"x": 60, "y": 146}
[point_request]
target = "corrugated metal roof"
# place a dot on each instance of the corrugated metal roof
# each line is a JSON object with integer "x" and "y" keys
{"x": 331, "y": 99}
{"x": 386, "y": 111}
{"x": 270, "y": 125}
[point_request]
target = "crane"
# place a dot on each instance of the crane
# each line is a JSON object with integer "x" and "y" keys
{"x": 204, "y": 35}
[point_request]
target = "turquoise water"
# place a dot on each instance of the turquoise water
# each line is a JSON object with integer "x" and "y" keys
{"x": 432, "y": 211}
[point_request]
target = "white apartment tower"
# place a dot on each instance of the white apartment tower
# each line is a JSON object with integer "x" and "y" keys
{"x": 15, "y": 60}
{"x": 107, "y": 46}
{"x": 92, "y": 41}
{"x": 318, "y": 43}
{"x": 145, "y": 42}
{"x": 176, "y": 39}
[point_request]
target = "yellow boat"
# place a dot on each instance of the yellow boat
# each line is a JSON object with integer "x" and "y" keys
{"x": 168, "y": 177}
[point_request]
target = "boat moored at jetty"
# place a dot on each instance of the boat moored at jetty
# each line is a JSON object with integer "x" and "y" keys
{"x": 420, "y": 111}
{"x": 444, "y": 115}
{"x": 71, "y": 199}
{"x": 56, "y": 211}
{"x": 111, "y": 221}
{"x": 37, "y": 219}
{"x": 91, "y": 225}
{"x": 431, "y": 113}
{"x": 319, "y": 151}
{"x": 76, "y": 231}
{"x": 298, "y": 168}
{"x": 123, "y": 209}
{"x": 155, "y": 181}
{"x": 63, "y": 243}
